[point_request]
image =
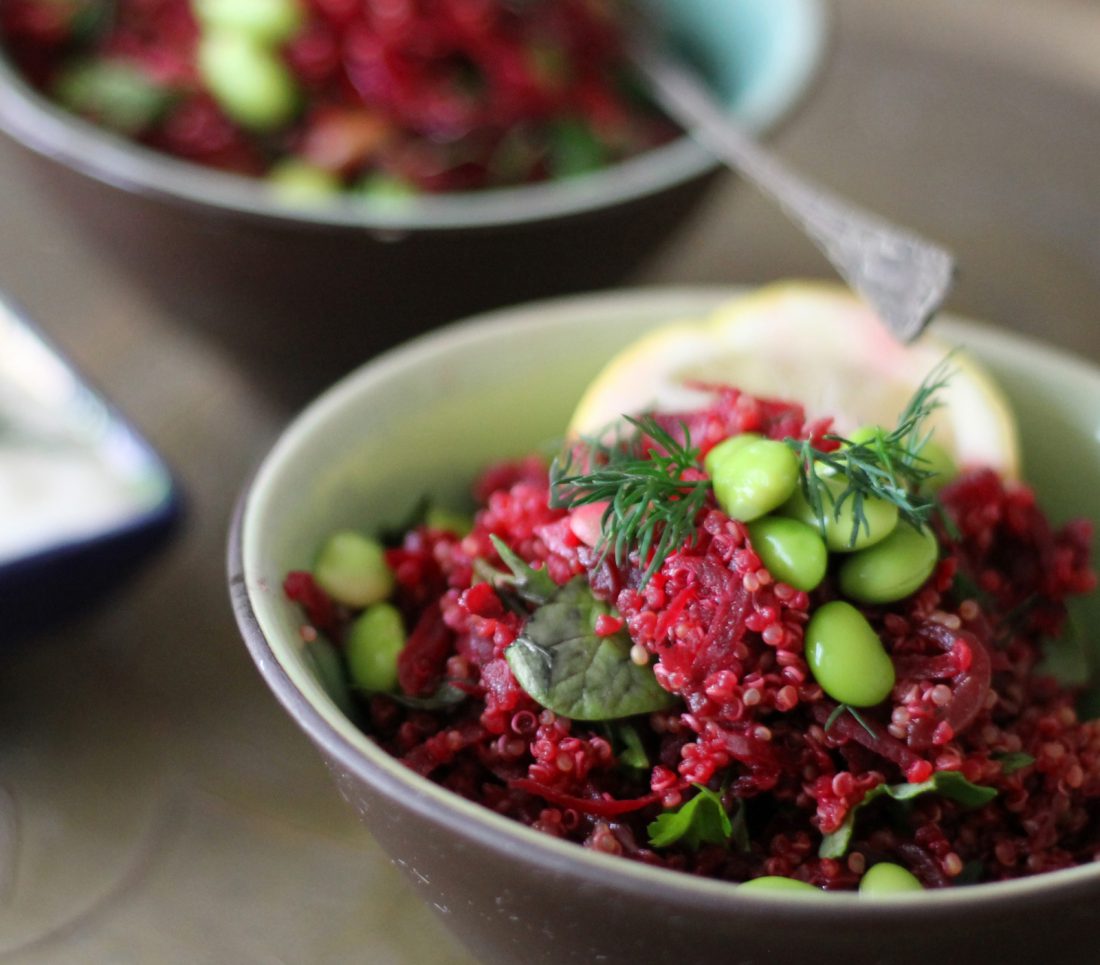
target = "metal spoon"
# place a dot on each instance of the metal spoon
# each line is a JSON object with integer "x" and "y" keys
{"x": 903, "y": 276}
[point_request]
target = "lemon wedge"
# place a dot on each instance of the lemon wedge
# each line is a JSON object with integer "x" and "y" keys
{"x": 812, "y": 343}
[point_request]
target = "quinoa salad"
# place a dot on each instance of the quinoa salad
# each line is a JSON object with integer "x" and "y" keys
{"x": 321, "y": 97}
{"x": 734, "y": 643}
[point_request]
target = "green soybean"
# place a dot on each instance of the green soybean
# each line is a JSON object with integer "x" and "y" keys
{"x": 778, "y": 883}
{"x": 936, "y": 460}
{"x": 725, "y": 450}
{"x": 793, "y": 552}
{"x": 755, "y": 479}
{"x": 892, "y": 569}
{"x": 374, "y": 642}
{"x": 116, "y": 94}
{"x": 846, "y": 656}
{"x": 248, "y": 80}
{"x": 270, "y": 22}
{"x": 880, "y": 515}
{"x": 438, "y": 517}
{"x": 297, "y": 182}
{"x": 352, "y": 569}
{"x": 888, "y": 879}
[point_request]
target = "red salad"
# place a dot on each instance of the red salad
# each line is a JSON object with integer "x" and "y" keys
{"x": 679, "y": 701}
{"x": 320, "y": 95}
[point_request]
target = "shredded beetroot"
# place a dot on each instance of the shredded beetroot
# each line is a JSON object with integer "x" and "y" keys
{"x": 751, "y": 723}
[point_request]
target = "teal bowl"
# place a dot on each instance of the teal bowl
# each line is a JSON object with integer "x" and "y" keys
{"x": 423, "y": 420}
{"x": 300, "y": 294}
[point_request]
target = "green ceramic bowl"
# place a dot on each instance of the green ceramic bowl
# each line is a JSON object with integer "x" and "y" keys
{"x": 424, "y": 419}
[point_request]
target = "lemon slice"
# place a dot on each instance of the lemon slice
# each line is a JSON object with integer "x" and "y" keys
{"x": 811, "y": 343}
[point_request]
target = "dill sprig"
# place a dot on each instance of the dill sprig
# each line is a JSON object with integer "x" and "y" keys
{"x": 651, "y": 506}
{"x": 888, "y": 466}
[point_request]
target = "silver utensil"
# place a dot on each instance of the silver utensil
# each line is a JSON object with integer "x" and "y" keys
{"x": 903, "y": 276}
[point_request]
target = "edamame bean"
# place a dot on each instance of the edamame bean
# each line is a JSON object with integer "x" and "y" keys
{"x": 298, "y": 182}
{"x": 725, "y": 450}
{"x": 888, "y": 879}
{"x": 846, "y": 656}
{"x": 937, "y": 460}
{"x": 352, "y": 569}
{"x": 778, "y": 883}
{"x": 437, "y": 517}
{"x": 891, "y": 569}
{"x": 793, "y": 552}
{"x": 249, "y": 81}
{"x": 270, "y": 22}
{"x": 881, "y": 517}
{"x": 373, "y": 645}
{"x": 755, "y": 479}
{"x": 117, "y": 94}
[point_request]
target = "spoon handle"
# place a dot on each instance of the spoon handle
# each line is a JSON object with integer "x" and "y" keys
{"x": 903, "y": 276}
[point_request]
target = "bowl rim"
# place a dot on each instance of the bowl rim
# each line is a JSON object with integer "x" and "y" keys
{"x": 367, "y": 762}
{"x": 49, "y": 130}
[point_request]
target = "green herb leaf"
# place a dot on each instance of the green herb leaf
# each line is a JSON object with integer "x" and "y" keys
{"x": 650, "y": 505}
{"x": 445, "y": 698}
{"x": 627, "y": 744}
{"x": 702, "y": 820}
{"x": 534, "y": 586}
{"x": 951, "y": 784}
{"x": 888, "y": 466}
{"x": 561, "y": 663}
{"x": 1011, "y": 762}
{"x": 848, "y": 708}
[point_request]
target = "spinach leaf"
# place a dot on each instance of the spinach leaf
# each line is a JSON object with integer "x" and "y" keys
{"x": 446, "y": 697}
{"x": 702, "y": 820}
{"x": 951, "y": 784}
{"x": 560, "y": 661}
{"x": 534, "y": 586}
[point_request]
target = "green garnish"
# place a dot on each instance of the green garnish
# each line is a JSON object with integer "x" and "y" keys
{"x": 650, "y": 504}
{"x": 951, "y": 784}
{"x": 533, "y": 586}
{"x": 561, "y": 662}
{"x": 702, "y": 820}
{"x": 888, "y": 466}
{"x": 1013, "y": 761}
{"x": 842, "y": 708}
{"x": 627, "y": 744}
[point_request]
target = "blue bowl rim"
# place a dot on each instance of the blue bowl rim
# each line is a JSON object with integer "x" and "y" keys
{"x": 160, "y": 516}
{"x": 511, "y": 839}
{"x": 49, "y": 130}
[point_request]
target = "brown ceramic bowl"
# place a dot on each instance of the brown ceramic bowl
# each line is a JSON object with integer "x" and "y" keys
{"x": 422, "y": 420}
{"x": 304, "y": 294}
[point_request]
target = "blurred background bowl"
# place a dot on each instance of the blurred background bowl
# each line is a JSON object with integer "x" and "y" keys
{"x": 300, "y": 295}
{"x": 423, "y": 420}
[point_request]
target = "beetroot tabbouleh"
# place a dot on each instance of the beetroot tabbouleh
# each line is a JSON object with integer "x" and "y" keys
{"x": 749, "y": 723}
{"x": 395, "y": 97}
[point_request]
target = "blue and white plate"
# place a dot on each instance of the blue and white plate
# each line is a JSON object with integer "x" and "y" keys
{"x": 83, "y": 497}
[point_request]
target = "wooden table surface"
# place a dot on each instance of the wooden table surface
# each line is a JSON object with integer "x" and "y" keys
{"x": 155, "y": 802}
